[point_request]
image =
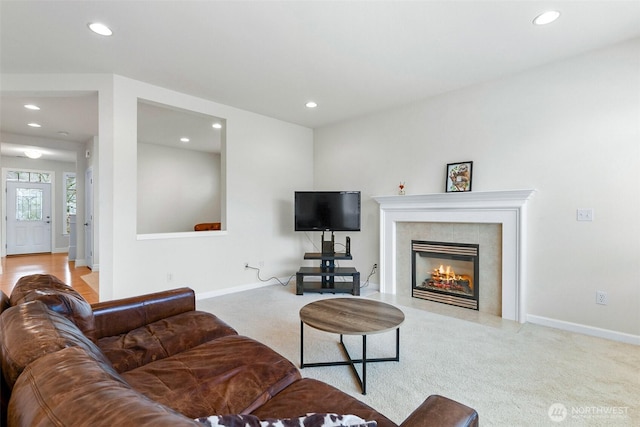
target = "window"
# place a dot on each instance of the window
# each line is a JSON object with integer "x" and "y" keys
{"x": 21, "y": 176}
{"x": 69, "y": 201}
{"x": 28, "y": 204}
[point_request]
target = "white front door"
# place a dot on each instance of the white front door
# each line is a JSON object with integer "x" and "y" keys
{"x": 28, "y": 218}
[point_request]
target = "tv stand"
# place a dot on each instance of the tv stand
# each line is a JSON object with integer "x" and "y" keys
{"x": 328, "y": 272}
{"x": 328, "y": 246}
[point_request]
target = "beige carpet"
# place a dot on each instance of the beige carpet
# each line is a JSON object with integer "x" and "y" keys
{"x": 92, "y": 279}
{"x": 512, "y": 374}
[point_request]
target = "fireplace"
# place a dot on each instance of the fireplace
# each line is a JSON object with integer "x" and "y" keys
{"x": 445, "y": 272}
{"x": 508, "y": 208}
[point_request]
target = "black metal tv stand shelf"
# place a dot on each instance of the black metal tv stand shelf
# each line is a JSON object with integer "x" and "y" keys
{"x": 327, "y": 273}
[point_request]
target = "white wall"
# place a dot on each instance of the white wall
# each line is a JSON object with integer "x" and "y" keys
{"x": 266, "y": 161}
{"x": 569, "y": 129}
{"x": 177, "y": 188}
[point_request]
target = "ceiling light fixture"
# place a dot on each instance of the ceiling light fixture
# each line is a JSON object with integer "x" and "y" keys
{"x": 216, "y": 126}
{"x": 34, "y": 125}
{"x": 184, "y": 139}
{"x": 546, "y": 17}
{"x": 311, "y": 104}
{"x": 33, "y": 154}
{"x": 31, "y": 107}
{"x": 101, "y": 29}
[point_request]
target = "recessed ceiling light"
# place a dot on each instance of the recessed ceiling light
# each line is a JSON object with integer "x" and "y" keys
{"x": 31, "y": 107}
{"x": 34, "y": 125}
{"x": 101, "y": 29}
{"x": 33, "y": 154}
{"x": 184, "y": 139}
{"x": 546, "y": 17}
{"x": 311, "y": 104}
{"x": 216, "y": 126}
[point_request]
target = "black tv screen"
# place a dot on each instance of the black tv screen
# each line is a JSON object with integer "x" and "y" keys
{"x": 327, "y": 210}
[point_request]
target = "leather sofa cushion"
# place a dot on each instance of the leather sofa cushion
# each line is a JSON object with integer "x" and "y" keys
{"x": 311, "y": 396}
{"x": 59, "y": 297}
{"x": 71, "y": 388}
{"x": 230, "y": 375}
{"x": 162, "y": 339}
{"x": 31, "y": 330}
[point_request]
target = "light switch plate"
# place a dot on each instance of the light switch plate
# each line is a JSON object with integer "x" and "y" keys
{"x": 585, "y": 214}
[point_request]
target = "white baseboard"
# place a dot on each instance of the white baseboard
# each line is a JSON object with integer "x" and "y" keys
{"x": 204, "y": 295}
{"x": 60, "y": 250}
{"x": 80, "y": 263}
{"x": 584, "y": 329}
{"x": 233, "y": 290}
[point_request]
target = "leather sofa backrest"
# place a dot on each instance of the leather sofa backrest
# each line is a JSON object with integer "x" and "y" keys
{"x": 59, "y": 297}
{"x": 121, "y": 316}
{"x": 31, "y": 330}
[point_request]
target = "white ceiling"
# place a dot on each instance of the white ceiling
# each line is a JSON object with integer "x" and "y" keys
{"x": 271, "y": 57}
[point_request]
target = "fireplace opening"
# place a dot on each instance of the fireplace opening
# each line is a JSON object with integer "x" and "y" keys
{"x": 445, "y": 272}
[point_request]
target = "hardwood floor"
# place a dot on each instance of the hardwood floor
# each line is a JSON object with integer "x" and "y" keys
{"x": 14, "y": 267}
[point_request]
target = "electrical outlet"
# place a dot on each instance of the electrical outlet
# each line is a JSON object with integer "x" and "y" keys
{"x": 585, "y": 214}
{"x": 601, "y": 297}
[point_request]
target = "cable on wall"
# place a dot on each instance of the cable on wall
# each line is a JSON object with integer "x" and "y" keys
{"x": 270, "y": 278}
{"x": 366, "y": 282}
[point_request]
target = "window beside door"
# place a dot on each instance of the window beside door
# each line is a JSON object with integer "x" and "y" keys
{"x": 69, "y": 201}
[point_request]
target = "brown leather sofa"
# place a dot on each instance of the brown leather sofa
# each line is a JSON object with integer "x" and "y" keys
{"x": 155, "y": 360}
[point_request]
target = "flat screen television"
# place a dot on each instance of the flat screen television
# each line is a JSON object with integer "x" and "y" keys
{"x": 327, "y": 210}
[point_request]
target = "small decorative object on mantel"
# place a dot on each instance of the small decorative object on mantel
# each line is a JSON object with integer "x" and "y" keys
{"x": 459, "y": 176}
{"x": 401, "y": 187}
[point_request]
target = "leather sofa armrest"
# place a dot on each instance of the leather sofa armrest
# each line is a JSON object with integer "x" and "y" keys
{"x": 123, "y": 315}
{"x": 439, "y": 411}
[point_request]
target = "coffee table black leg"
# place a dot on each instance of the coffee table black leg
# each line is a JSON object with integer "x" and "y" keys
{"x": 362, "y": 379}
{"x": 301, "y": 345}
{"x": 364, "y": 364}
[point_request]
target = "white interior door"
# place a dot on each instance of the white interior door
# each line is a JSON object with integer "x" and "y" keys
{"x": 88, "y": 224}
{"x": 28, "y": 218}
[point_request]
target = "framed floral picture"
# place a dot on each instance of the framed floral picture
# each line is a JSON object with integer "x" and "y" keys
{"x": 459, "y": 176}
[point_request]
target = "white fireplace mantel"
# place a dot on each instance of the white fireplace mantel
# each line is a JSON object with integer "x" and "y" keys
{"x": 507, "y": 208}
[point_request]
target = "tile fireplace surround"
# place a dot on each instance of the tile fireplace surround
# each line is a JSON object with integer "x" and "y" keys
{"x": 507, "y": 208}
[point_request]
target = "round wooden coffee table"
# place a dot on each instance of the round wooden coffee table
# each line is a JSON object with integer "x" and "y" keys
{"x": 351, "y": 316}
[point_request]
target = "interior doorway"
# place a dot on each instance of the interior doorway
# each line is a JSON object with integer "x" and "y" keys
{"x": 88, "y": 224}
